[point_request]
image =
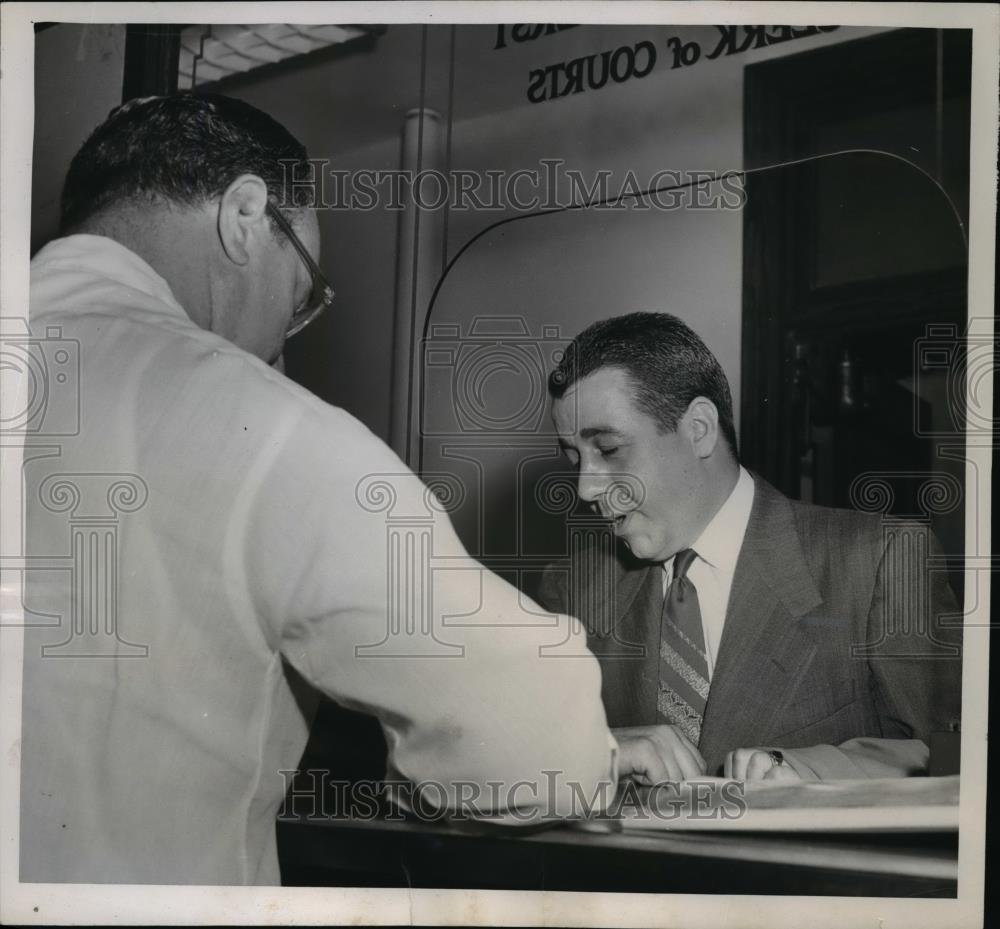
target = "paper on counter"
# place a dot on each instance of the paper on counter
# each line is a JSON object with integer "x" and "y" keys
{"x": 717, "y": 804}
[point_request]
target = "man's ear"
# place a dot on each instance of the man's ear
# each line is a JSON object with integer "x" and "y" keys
{"x": 242, "y": 216}
{"x": 702, "y": 419}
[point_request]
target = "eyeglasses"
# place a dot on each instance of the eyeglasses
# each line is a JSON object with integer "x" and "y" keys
{"x": 321, "y": 293}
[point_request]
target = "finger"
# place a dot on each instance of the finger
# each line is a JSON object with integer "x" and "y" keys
{"x": 668, "y": 742}
{"x": 692, "y": 751}
{"x": 783, "y": 772}
{"x": 741, "y": 757}
{"x": 626, "y": 732}
{"x": 642, "y": 762}
{"x": 671, "y": 759}
{"x": 758, "y": 765}
{"x": 699, "y": 758}
{"x": 689, "y": 759}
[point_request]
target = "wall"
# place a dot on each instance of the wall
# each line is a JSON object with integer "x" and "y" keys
{"x": 78, "y": 80}
{"x": 350, "y": 110}
{"x": 554, "y": 274}
{"x": 558, "y": 273}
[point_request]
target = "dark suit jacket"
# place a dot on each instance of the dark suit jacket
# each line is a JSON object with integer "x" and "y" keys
{"x": 833, "y": 631}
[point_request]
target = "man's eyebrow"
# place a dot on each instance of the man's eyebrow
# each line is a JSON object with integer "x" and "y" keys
{"x": 566, "y": 441}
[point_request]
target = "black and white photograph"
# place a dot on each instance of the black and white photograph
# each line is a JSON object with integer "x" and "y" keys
{"x": 459, "y": 471}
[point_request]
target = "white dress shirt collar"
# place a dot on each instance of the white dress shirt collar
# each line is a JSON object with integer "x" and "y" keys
{"x": 720, "y": 542}
{"x": 718, "y": 549}
{"x": 115, "y": 261}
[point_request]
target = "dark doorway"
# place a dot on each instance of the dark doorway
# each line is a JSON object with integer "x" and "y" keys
{"x": 854, "y": 308}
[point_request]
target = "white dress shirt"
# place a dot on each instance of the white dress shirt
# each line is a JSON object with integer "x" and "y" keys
{"x": 718, "y": 548}
{"x": 219, "y": 526}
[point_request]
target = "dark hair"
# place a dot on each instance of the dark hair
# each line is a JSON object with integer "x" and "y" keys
{"x": 667, "y": 363}
{"x": 185, "y": 148}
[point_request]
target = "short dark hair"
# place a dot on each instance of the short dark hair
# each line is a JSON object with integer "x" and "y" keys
{"x": 184, "y": 148}
{"x": 666, "y": 361}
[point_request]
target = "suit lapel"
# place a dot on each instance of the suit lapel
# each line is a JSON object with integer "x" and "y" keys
{"x": 628, "y": 645}
{"x": 603, "y": 593}
{"x": 640, "y": 624}
{"x": 763, "y": 650}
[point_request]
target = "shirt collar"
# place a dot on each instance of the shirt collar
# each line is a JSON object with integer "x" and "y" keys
{"x": 111, "y": 259}
{"x": 720, "y": 542}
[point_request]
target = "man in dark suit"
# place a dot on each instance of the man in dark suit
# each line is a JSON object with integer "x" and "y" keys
{"x": 738, "y": 631}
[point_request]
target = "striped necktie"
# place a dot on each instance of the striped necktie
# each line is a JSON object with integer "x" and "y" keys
{"x": 684, "y": 677}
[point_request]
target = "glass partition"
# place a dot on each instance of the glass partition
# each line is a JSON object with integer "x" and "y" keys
{"x": 865, "y": 368}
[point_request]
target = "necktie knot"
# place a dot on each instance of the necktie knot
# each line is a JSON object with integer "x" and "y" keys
{"x": 682, "y": 561}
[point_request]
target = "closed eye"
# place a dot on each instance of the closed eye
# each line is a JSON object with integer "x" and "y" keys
{"x": 608, "y": 452}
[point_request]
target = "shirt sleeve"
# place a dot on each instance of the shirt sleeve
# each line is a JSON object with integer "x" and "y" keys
{"x": 360, "y": 580}
{"x": 859, "y": 758}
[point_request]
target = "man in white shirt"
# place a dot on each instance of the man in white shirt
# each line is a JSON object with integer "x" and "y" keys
{"x": 741, "y": 635}
{"x": 208, "y": 550}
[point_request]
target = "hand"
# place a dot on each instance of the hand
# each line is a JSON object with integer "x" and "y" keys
{"x": 756, "y": 764}
{"x": 654, "y": 754}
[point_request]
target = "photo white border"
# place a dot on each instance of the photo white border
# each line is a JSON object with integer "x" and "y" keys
{"x": 121, "y": 904}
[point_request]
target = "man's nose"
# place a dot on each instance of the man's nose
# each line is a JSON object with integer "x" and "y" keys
{"x": 589, "y": 486}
